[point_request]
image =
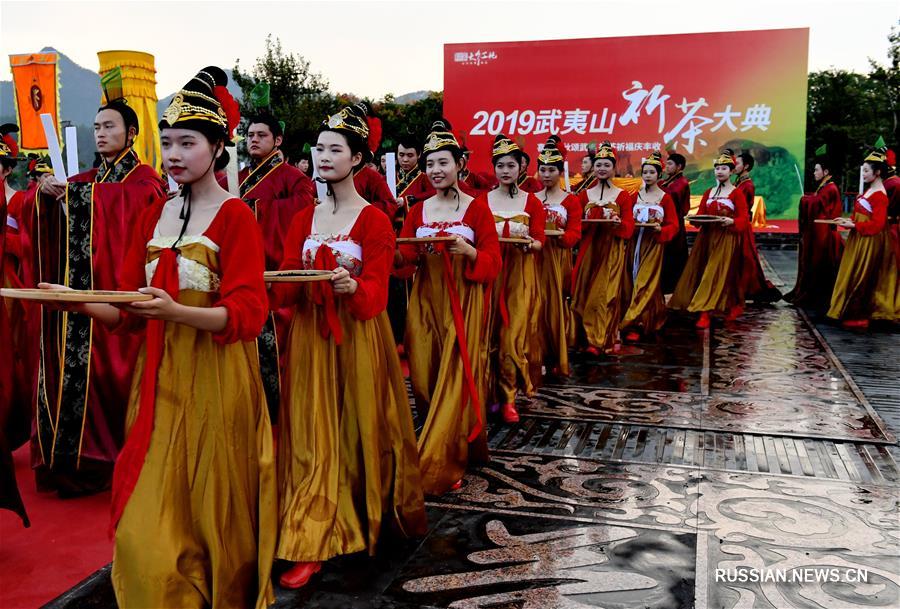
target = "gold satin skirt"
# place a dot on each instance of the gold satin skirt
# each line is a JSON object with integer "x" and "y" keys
{"x": 597, "y": 294}
{"x": 557, "y": 330}
{"x": 710, "y": 281}
{"x": 200, "y": 527}
{"x": 436, "y": 372}
{"x": 347, "y": 448}
{"x": 515, "y": 348}
{"x": 645, "y": 307}
{"x": 866, "y": 284}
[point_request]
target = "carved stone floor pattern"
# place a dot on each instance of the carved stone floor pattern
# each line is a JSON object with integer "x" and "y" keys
{"x": 741, "y": 467}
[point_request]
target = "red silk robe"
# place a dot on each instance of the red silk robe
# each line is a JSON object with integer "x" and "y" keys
{"x": 372, "y": 187}
{"x": 819, "y": 256}
{"x": 676, "y": 253}
{"x": 85, "y": 433}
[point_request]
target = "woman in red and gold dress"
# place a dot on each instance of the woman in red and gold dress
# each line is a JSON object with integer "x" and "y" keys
{"x": 867, "y": 282}
{"x": 557, "y": 330}
{"x": 516, "y": 310}
{"x": 710, "y": 283}
{"x": 446, "y": 343}
{"x": 348, "y": 466}
{"x": 600, "y": 267}
{"x": 194, "y": 492}
{"x": 645, "y": 308}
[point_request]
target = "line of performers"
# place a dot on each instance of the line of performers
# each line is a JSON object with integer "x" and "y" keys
{"x": 496, "y": 283}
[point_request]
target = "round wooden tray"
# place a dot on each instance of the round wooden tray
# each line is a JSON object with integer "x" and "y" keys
{"x": 297, "y": 276}
{"x": 435, "y": 239}
{"x": 554, "y": 233}
{"x": 646, "y": 224}
{"x": 81, "y": 296}
{"x": 824, "y": 221}
{"x": 601, "y": 221}
{"x": 704, "y": 218}
{"x": 515, "y": 240}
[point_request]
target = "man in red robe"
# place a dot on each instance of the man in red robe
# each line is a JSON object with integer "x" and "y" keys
{"x": 275, "y": 191}
{"x": 78, "y": 232}
{"x": 819, "y": 255}
{"x": 754, "y": 284}
{"x": 892, "y": 188}
{"x": 412, "y": 184}
{"x": 675, "y": 254}
{"x": 474, "y": 182}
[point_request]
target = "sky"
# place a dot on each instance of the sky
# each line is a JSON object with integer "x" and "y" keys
{"x": 377, "y": 47}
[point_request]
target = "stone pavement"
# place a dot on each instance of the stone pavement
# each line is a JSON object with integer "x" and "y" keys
{"x": 747, "y": 466}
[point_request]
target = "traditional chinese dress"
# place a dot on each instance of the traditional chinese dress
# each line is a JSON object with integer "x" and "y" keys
{"x": 199, "y": 527}
{"x": 645, "y": 307}
{"x": 866, "y": 285}
{"x": 555, "y": 260}
{"x": 600, "y": 268}
{"x": 348, "y": 461}
{"x": 446, "y": 342}
{"x": 819, "y": 255}
{"x": 516, "y": 308}
{"x": 711, "y": 280}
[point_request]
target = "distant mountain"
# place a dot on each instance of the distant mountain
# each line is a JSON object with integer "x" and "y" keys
{"x": 409, "y": 98}
{"x": 79, "y": 93}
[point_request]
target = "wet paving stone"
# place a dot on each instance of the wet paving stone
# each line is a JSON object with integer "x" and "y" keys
{"x": 744, "y": 467}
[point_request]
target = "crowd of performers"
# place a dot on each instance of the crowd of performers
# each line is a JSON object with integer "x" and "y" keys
{"x": 202, "y": 503}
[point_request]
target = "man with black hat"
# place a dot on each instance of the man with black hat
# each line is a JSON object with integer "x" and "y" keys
{"x": 84, "y": 369}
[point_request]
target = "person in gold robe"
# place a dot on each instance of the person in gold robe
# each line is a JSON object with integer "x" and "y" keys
{"x": 519, "y": 218}
{"x": 446, "y": 342}
{"x": 710, "y": 284}
{"x": 194, "y": 504}
{"x": 600, "y": 267}
{"x": 866, "y": 287}
{"x": 348, "y": 468}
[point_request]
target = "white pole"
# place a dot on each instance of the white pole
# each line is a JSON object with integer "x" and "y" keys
{"x": 566, "y": 171}
{"x": 231, "y": 172}
{"x": 390, "y": 163}
{"x": 72, "y": 150}
{"x": 321, "y": 189}
{"x": 59, "y": 170}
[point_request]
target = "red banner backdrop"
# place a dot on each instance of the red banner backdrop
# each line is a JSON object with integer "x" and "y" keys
{"x": 690, "y": 93}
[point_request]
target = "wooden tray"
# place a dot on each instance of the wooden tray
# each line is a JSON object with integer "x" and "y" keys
{"x": 515, "y": 240}
{"x": 646, "y": 224}
{"x": 554, "y": 233}
{"x": 601, "y": 221}
{"x": 297, "y": 276}
{"x": 82, "y": 296}
{"x": 824, "y": 221}
{"x": 436, "y": 239}
{"x": 707, "y": 219}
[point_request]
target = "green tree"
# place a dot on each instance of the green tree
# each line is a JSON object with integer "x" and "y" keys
{"x": 848, "y": 111}
{"x": 298, "y": 95}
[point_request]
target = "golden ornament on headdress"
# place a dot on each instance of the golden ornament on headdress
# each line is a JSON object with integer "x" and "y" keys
{"x": 504, "y": 146}
{"x": 344, "y": 121}
{"x": 606, "y": 151}
{"x": 182, "y": 110}
{"x": 655, "y": 158}
{"x": 879, "y": 155}
{"x": 438, "y": 140}
{"x": 726, "y": 157}
{"x": 550, "y": 155}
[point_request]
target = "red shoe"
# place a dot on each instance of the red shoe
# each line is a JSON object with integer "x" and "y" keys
{"x": 592, "y": 350}
{"x": 734, "y": 312}
{"x": 299, "y": 575}
{"x": 632, "y": 337}
{"x": 856, "y": 324}
{"x": 509, "y": 413}
{"x": 704, "y": 321}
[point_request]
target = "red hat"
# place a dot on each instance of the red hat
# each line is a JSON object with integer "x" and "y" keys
{"x": 8, "y": 145}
